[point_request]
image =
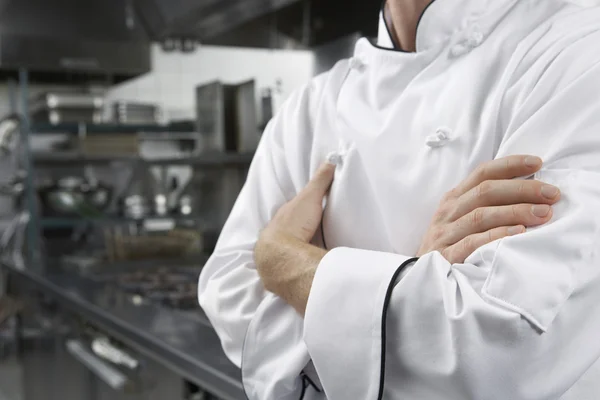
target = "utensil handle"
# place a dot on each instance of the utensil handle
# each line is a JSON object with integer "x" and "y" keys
{"x": 107, "y": 374}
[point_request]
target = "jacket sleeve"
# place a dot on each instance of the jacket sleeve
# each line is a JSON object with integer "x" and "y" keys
{"x": 520, "y": 318}
{"x": 259, "y": 332}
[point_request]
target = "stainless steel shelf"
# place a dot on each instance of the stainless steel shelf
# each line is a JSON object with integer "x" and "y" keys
{"x": 215, "y": 160}
{"x": 74, "y": 127}
{"x": 66, "y": 222}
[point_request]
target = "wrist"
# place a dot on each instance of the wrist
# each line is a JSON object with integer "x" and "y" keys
{"x": 287, "y": 267}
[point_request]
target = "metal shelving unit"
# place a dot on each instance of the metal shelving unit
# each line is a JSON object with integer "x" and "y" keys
{"x": 179, "y": 131}
{"x": 64, "y": 222}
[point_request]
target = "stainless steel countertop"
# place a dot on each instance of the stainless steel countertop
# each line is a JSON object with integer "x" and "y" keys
{"x": 187, "y": 345}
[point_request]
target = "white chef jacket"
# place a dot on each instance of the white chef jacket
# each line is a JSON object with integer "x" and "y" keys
{"x": 520, "y": 318}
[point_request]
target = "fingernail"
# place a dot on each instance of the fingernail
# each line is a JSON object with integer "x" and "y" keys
{"x": 532, "y": 161}
{"x": 540, "y": 211}
{"x": 515, "y": 230}
{"x": 549, "y": 191}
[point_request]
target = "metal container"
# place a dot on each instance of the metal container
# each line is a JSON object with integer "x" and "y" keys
{"x": 57, "y": 108}
{"x": 61, "y": 116}
{"x": 53, "y": 100}
{"x": 226, "y": 117}
{"x": 125, "y": 112}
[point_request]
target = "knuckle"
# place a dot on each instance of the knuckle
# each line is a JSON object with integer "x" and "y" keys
{"x": 442, "y": 212}
{"x": 467, "y": 245}
{"x": 448, "y": 196}
{"x": 477, "y": 217}
{"x": 522, "y": 188}
{"x": 481, "y": 171}
{"x": 484, "y": 189}
{"x": 516, "y": 211}
{"x": 438, "y": 234}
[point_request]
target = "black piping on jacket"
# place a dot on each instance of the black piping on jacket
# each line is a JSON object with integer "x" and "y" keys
{"x": 386, "y": 304}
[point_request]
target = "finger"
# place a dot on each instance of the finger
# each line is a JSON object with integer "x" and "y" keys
{"x": 504, "y": 192}
{"x": 460, "y": 251}
{"x": 503, "y": 168}
{"x": 486, "y": 218}
{"x": 321, "y": 181}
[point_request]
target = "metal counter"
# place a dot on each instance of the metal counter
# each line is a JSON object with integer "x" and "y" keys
{"x": 188, "y": 346}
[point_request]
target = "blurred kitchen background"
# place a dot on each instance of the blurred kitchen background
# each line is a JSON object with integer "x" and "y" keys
{"x": 126, "y": 131}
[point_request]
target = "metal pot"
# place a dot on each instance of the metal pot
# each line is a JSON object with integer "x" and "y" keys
{"x": 73, "y": 196}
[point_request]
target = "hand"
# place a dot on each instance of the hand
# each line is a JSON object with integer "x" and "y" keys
{"x": 301, "y": 217}
{"x": 489, "y": 205}
{"x": 285, "y": 261}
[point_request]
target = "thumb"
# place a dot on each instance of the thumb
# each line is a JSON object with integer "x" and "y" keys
{"x": 321, "y": 181}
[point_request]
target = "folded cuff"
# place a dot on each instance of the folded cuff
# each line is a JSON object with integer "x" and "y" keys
{"x": 344, "y": 316}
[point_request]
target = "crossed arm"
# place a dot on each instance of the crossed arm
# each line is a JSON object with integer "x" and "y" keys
{"x": 489, "y": 205}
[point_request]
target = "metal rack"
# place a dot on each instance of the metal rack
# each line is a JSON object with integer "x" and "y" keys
{"x": 215, "y": 160}
{"x": 30, "y": 161}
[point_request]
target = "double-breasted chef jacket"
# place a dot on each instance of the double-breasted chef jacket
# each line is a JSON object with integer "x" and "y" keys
{"x": 520, "y": 318}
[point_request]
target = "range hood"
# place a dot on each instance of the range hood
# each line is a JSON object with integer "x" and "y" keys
{"x": 201, "y": 19}
{"x": 259, "y": 23}
{"x": 69, "y": 38}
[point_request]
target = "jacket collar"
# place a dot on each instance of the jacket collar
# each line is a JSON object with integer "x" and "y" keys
{"x": 439, "y": 20}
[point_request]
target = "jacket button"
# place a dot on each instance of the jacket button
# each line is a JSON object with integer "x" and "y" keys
{"x": 335, "y": 158}
{"x": 357, "y": 63}
{"x": 458, "y": 50}
{"x": 439, "y": 139}
{"x": 475, "y": 39}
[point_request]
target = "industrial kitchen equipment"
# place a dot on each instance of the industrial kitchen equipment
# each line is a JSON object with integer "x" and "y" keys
{"x": 226, "y": 117}
{"x": 125, "y": 112}
{"x": 56, "y": 108}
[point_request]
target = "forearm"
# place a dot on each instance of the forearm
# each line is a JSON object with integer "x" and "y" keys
{"x": 287, "y": 267}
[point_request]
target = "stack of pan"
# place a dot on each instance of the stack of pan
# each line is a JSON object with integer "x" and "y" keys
{"x": 57, "y": 108}
{"x": 136, "y": 113}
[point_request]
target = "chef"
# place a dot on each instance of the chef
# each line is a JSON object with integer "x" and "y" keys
{"x": 423, "y": 221}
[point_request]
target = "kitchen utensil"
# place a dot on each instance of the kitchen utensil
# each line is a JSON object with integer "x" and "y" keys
{"x": 99, "y": 196}
{"x": 136, "y": 206}
{"x": 12, "y": 241}
{"x": 186, "y": 205}
{"x": 9, "y": 131}
{"x": 63, "y": 197}
{"x": 14, "y": 187}
{"x": 160, "y": 205}
{"x": 173, "y": 192}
